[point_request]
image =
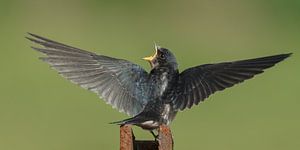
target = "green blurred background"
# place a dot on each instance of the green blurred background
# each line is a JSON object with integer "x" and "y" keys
{"x": 39, "y": 110}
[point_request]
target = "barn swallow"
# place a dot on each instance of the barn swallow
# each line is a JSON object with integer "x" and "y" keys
{"x": 154, "y": 98}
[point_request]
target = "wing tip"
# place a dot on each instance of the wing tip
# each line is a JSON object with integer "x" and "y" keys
{"x": 290, "y": 54}
{"x": 31, "y": 36}
{"x": 282, "y": 57}
{"x": 34, "y": 35}
{"x": 286, "y": 55}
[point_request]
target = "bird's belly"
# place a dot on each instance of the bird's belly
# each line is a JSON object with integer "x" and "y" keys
{"x": 168, "y": 114}
{"x": 149, "y": 125}
{"x": 163, "y": 114}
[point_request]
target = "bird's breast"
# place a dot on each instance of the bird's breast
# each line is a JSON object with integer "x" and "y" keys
{"x": 162, "y": 80}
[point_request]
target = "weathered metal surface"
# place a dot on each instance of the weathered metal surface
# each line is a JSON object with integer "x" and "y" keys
{"x": 128, "y": 142}
{"x": 126, "y": 138}
{"x": 165, "y": 138}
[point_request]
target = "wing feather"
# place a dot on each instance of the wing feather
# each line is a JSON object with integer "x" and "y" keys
{"x": 119, "y": 82}
{"x": 198, "y": 83}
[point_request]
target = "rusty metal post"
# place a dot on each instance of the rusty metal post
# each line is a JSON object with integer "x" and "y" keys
{"x": 128, "y": 142}
{"x": 165, "y": 138}
{"x": 126, "y": 138}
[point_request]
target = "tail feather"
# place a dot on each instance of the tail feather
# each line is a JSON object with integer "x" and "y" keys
{"x": 125, "y": 121}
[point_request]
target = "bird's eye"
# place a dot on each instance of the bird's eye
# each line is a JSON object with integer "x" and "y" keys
{"x": 162, "y": 56}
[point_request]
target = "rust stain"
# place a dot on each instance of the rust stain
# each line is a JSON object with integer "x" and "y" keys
{"x": 128, "y": 142}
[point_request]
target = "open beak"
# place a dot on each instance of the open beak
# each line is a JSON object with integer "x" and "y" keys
{"x": 150, "y": 58}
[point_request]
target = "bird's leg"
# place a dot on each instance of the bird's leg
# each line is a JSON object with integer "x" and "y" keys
{"x": 133, "y": 137}
{"x": 154, "y": 135}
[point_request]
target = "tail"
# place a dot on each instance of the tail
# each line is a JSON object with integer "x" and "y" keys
{"x": 132, "y": 120}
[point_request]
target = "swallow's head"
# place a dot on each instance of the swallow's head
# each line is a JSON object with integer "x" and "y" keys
{"x": 161, "y": 57}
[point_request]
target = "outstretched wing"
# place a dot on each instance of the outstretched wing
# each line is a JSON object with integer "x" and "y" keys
{"x": 119, "y": 82}
{"x": 197, "y": 83}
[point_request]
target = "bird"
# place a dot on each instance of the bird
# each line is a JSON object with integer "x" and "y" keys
{"x": 150, "y": 98}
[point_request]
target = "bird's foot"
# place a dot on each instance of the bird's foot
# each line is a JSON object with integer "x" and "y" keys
{"x": 156, "y": 136}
